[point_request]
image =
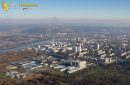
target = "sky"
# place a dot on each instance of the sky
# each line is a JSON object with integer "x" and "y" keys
{"x": 69, "y": 9}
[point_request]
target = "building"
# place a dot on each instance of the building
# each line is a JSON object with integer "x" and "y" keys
{"x": 78, "y": 63}
{"x": 39, "y": 47}
{"x": 109, "y": 60}
{"x": 79, "y": 49}
{"x": 75, "y": 49}
{"x": 98, "y": 46}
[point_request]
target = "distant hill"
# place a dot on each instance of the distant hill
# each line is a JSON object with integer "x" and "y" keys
{"x": 61, "y": 27}
{"x": 68, "y": 29}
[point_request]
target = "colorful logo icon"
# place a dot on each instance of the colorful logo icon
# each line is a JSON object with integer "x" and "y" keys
{"x": 4, "y": 6}
{"x": 26, "y": 6}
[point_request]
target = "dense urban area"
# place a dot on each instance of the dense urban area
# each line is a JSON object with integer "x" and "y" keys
{"x": 63, "y": 56}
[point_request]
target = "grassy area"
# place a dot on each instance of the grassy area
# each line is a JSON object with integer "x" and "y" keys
{"x": 111, "y": 74}
{"x": 128, "y": 81}
{"x": 99, "y": 72}
{"x": 48, "y": 70}
{"x": 3, "y": 67}
{"x": 55, "y": 72}
{"x": 21, "y": 70}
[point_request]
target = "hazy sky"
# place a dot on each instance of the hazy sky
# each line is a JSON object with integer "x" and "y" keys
{"x": 71, "y": 9}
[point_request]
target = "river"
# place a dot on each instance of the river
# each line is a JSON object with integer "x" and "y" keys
{"x": 24, "y": 46}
